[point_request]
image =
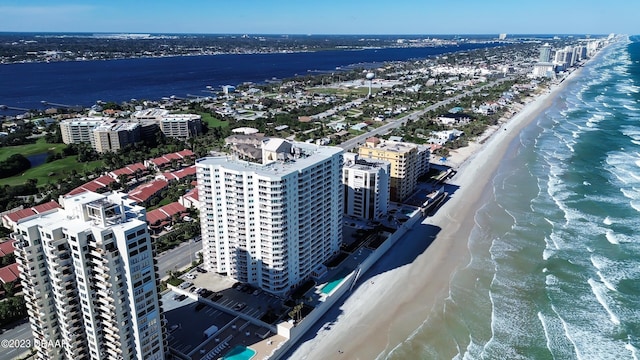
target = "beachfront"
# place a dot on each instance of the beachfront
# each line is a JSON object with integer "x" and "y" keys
{"x": 394, "y": 298}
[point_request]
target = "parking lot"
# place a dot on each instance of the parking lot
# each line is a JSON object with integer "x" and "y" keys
{"x": 187, "y": 319}
{"x": 186, "y": 325}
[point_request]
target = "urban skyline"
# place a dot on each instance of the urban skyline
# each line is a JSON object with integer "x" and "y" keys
{"x": 289, "y": 17}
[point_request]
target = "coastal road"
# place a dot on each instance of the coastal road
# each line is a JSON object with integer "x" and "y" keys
{"x": 17, "y": 335}
{"x": 360, "y": 139}
{"x": 178, "y": 257}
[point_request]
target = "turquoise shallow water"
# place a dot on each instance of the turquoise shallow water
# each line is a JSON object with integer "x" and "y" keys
{"x": 556, "y": 253}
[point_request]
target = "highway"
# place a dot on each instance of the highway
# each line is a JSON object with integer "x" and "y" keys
{"x": 360, "y": 139}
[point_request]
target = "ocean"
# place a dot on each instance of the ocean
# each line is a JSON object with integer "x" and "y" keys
{"x": 85, "y": 82}
{"x": 555, "y": 265}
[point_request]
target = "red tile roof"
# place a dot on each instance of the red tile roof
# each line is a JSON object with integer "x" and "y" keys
{"x": 165, "y": 159}
{"x": 9, "y": 273}
{"x": 21, "y": 214}
{"x": 193, "y": 194}
{"x": 6, "y": 248}
{"x": 186, "y": 153}
{"x": 128, "y": 170}
{"x": 145, "y": 191}
{"x": 180, "y": 174}
{"x": 46, "y": 207}
{"x": 165, "y": 213}
{"x": 95, "y": 185}
{"x": 173, "y": 156}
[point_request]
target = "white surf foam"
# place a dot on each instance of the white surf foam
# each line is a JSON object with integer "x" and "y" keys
{"x": 611, "y": 237}
{"x": 606, "y": 282}
{"x": 600, "y": 296}
{"x": 632, "y": 349}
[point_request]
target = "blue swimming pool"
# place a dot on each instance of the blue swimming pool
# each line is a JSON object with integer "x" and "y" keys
{"x": 240, "y": 352}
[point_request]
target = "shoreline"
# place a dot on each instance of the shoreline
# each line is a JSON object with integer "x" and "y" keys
{"x": 389, "y": 304}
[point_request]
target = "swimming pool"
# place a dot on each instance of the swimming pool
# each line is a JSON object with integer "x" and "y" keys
{"x": 334, "y": 282}
{"x": 240, "y": 352}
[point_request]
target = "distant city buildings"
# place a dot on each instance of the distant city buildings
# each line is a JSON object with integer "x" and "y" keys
{"x": 272, "y": 224}
{"x": 366, "y": 187}
{"x": 548, "y": 65}
{"x": 545, "y": 53}
{"x": 408, "y": 162}
{"x": 89, "y": 280}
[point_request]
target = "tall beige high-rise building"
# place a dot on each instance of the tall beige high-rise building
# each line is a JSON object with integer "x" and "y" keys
{"x": 408, "y": 163}
{"x": 89, "y": 280}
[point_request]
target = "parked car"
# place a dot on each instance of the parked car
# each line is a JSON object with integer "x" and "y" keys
{"x": 239, "y": 306}
{"x": 200, "y": 306}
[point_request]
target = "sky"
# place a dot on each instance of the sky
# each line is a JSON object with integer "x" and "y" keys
{"x": 323, "y": 17}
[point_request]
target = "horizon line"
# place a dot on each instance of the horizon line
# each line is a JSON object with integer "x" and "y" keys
{"x": 296, "y": 34}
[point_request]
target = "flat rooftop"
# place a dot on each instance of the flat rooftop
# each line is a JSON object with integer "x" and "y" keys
{"x": 311, "y": 155}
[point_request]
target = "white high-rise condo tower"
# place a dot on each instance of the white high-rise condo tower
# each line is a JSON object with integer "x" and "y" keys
{"x": 272, "y": 224}
{"x": 89, "y": 280}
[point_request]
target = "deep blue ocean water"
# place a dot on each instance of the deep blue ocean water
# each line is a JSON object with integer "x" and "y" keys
{"x": 85, "y": 82}
{"x": 555, "y": 268}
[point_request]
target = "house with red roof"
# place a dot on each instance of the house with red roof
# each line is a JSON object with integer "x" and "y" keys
{"x": 6, "y": 248}
{"x": 10, "y": 273}
{"x": 190, "y": 199}
{"x": 145, "y": 192}
{"x": 10, "y": 220}
{"x": 178, "y": 175}
{"x": 98, "y": 185}
{"x": 164, "y": 161}
{"x": 163, "y": 216}
{"x": 129, "y": 171}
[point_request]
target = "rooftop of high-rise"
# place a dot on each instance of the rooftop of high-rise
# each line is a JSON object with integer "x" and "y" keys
{"x": 291, "y": 157}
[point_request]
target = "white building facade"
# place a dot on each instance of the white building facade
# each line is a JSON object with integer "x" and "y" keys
{"x": 271, "y": 224}
{"x": 366, "y": 187}
{"x": 80, "y": 130}
{"x": 89, "y": 280}
{"x": 181, "y": 126}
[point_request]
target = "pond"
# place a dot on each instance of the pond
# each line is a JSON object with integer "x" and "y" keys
{"x": 38, "y": 159}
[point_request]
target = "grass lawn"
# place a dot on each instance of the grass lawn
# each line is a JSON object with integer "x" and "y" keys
{"x": 212, "y": 121}
{"x": 40, "y": 146}
{"x": 61, "y": 169}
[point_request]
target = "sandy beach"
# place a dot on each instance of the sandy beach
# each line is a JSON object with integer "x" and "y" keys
{"x": 399, "y": 292}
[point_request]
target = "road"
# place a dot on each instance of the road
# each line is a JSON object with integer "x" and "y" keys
{"x": 360, "y": 139}
{"x": 18, "y": 335}
{"x": 178, "y": 257}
